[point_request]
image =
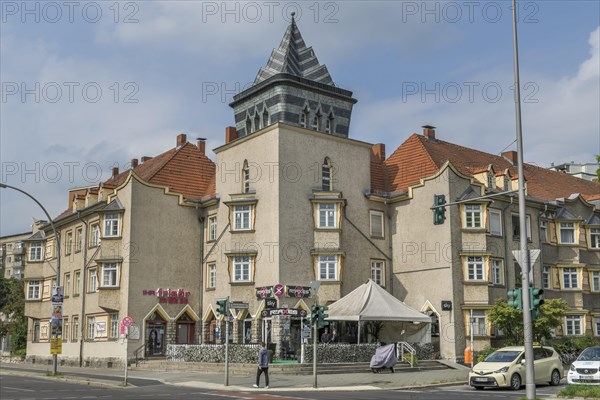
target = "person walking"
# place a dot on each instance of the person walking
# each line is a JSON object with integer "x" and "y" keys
{"x": 325, "y": 337}
{"x": 263, "y": 365}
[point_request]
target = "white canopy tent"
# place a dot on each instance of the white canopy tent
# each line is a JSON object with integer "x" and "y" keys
{"x": 370, "y": 302}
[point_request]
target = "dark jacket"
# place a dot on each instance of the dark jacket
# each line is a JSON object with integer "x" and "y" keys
{"x": 263, "y": 358}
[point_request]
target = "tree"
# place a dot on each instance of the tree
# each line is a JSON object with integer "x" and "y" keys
{"x": 598, "y": 170}
{"x": 510, "y": 320}
{"x": 12, "y": 313}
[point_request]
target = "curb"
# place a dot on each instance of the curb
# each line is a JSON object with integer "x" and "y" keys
{"x": 69, "y": 378}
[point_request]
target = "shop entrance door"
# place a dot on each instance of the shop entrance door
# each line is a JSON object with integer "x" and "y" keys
{"x": 155, "y": 336}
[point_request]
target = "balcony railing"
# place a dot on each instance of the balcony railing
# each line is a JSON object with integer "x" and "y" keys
{"x": 18, "y": 264}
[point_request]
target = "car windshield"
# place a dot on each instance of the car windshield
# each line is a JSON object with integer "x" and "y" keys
{"x": 502, "y": 356}
{"x": 590, "y": 354}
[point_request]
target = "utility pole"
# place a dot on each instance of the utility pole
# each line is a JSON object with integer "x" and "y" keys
{"x": 315, "y": 342}
{"x": 525, "y": 264}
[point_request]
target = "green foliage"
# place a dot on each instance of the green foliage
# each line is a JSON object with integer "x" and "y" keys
{"x": 510, "y": 320}
{"x": 598, "y": 170}
{"x": 573, "y": 345}
{"x": 481, "y": 355}
{"x": 409, "y": 357}
{"x": 12, "y": 306}
{"x": 585, "y": 391}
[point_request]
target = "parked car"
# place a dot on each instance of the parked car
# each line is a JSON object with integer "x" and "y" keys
{"x": 586, "y": 369}
{"x": 506, "y": 368}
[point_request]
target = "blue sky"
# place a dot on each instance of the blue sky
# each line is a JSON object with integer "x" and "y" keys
{"x": 157, "y": 64}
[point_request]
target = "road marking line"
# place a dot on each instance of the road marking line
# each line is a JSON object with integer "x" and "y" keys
{"x": 14, "y": 388}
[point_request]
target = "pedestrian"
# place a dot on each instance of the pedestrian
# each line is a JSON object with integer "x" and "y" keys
{"x": 325, "y": 338}
{"x": 263, "y": 365}
{"x": 334, "y": 336}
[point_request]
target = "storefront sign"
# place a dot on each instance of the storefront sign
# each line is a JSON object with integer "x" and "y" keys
{"x": 446, "y": 305}
{"x": 294, "y": 312}
{"x": 179, "y": 296}
{"x": 278, "y": 290}
{"x": 264, "y": 292}
{"x": 56, "y": 346}
{"x": 270, "y": 303}
{"x": 297, "y": 291}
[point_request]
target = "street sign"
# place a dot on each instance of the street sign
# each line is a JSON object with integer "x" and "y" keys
{"x": 127, "y": 321}
{"x": 56, "y": 346}
{"x": 533, "y": 256}
{"x": 238, "y": 306}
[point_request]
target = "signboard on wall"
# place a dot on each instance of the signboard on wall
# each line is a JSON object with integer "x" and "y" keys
{"x": 56, "y": 346}
{"x": 298, "y": 291}
{"x": 264, "y": 292}
{"x": 294, "y": 312}
{"x": 270, "y": 303}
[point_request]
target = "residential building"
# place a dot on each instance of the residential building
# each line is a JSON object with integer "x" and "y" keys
{"x": 12, "y": 252}
{"x": 580, "y": 170}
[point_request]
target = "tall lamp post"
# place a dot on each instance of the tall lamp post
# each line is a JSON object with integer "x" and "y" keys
{"x": 57, "y": 238}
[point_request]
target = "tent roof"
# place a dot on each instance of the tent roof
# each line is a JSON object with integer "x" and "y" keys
{"x": 370, "y": 302}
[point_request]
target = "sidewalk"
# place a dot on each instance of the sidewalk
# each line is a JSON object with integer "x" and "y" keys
{"x": 279, "y": 382}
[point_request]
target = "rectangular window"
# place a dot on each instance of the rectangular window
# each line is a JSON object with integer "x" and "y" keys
{"x": 328, "y": 267}
{"x": 95, "y": 235}
{"x": 517, "y": 227}
{"x": 91, "y": 328}
{"x": 497, "y": 272}
{"x": 114, "y": 326}
{"x": 93, "y": 280}
{"x": 78, "y": 239}
{"x": 35, "y": 251}
{"x": 69, "y": 243}
{"x": 111, "y": 225}
{"x": 475, "y": 268}
{"x": 597, "y": 325}
{"x": 36, "y": 331}
{"x": 75, "y": 328}
{"x": 595, "y": 238}
{"x": 110, "y": 275}
{"x": 377, "y": 271}
{"x": 67, "y": 285}
{"x": 478, "y": 323}
{"x": 473, "y": 215}
{"x": 567, "y": 232}
{"x": 327, "y": 215}
{"x": 212, "y": 275}
{"x": 376, "y": 223}
{"x": 34, "y": 290}
{"x": 546, "y": 277}
{"x": 212, "y": 228}
{"x": 595, "y": 281}
{"x": 570, "y": 278}
{"x": 241, "y": 217}
{"x": 544, "y": 231}
{"x": 241, "y": 269}
{"x": 573, "y": 325}
{"x": 65, "y": 332}
{"x": 496, "y": 222}
{"x": 77, "y": 283}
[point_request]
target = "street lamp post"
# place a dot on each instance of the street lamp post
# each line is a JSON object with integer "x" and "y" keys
{"x": 57, "y": 238}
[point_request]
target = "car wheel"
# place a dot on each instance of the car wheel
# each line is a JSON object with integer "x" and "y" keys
{"x": 515, "y": 382}
{"x": 555, "y": 378}
{"x": 373, "y": 370}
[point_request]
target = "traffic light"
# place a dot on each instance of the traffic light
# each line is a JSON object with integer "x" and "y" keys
{"x": 535, "y": 300}
{"x": 439, "y": 210}
{"x": 222, "y": 305}
{"x": 322, "y": 316}
{"x": 314, "y": 314}
{"x": 515, "y": 298}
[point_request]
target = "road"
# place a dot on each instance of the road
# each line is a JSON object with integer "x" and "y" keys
{"x": 14, "y": 387}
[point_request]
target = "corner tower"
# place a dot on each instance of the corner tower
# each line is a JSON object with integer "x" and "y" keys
{"x": 295, "y": 89}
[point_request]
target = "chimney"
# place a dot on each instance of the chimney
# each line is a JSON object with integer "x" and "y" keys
{"x": 201, "y": 143}
{"x": 429, "y": 131}
{"x": 146, "y": 158}
{"x": 181, "y": 139}
{"x": 115, "y": 172}
{"x": 134, "y": 163}
{"x": 379, "y": 151}
{"x": 510, "y": 156}
{"x": 230, "y": 134}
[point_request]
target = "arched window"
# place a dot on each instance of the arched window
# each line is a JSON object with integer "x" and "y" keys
{"x": 316, "y": 125}
{"x": 490, "y": 180}
{"x": 329, "y": 128}
{"x": 304, "y": 117}
{"x": 248, "y": 125}
{"x": 245, "y": 177}
{"x": 326, "y": 175}
{"x": 506, "y": 183}
{"x": 265, "y": 117}
{"x": 257, "y": 125}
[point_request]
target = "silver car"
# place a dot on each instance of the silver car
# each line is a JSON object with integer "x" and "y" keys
{"x": 586, "y": 369}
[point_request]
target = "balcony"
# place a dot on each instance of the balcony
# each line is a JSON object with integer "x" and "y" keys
{"x": 18, "y": 264}
{"x": 109, "y": 298}
{"x": 19, "y": 249}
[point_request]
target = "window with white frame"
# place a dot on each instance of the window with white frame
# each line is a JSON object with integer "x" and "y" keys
{"x": 506, "y": 183}
{"x": 111, "y": 225}
{"x": 473, "y": 215}
{"x": 78, "y": 239}
{"x": 377, "y": 271}
{"x": 573, "y": 325}
{"x": 328, "y": 267}
{"x": 241, "y": 217}
{"x": 77, "y": 283}
{"x": 516, "y": 225}
{"x": 327, "y": 215}
{"x": 491, "y": 182}
{"x": 246, "y": 178}
{"x": 65, "y": 331}
{"x": 597, "y": 325}
{"x": 114, "y": 326}
{"x": 69, "y": 243}
{"x": 241, "y": 268}
{"x": 75, "y": 335}
{"x": 248, "y": 125}
{"x": 316, "y": 125}
{"x": 595, "y": 238}
{"x": 497, "y": 272}
{"x": 475, "y": 268}
{"x": 67, "y": 285}
{"x": 478, "y": 324}
{"x": 329, "y": 123}
{"x": 376, "y": 224}
{"x": 93, "y": 280}
{"x": 212, "y": 228}
{"x": 34, "y": 290}
{"x": 212, "y": 276}
{"x": 36, "y": 331}
{"x": 304, "y": 117}
{"x": 110, "y": 275}
{"x": 546, "y": 277}
{"x": 91, "y": 328}
{"x": 567, "y": 232}
{"x": 570, "y": 278}
{"x": 95, "y": 235}
{"x": 35, "y": 251}
{"x": 495, "y": 222}
{"x": 544, "y": 231}
{"x": 326, "y": 175}
{"x": 595, "y": 281}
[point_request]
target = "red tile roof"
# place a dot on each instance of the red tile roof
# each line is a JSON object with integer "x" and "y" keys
{"x": 419, "y": 157}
